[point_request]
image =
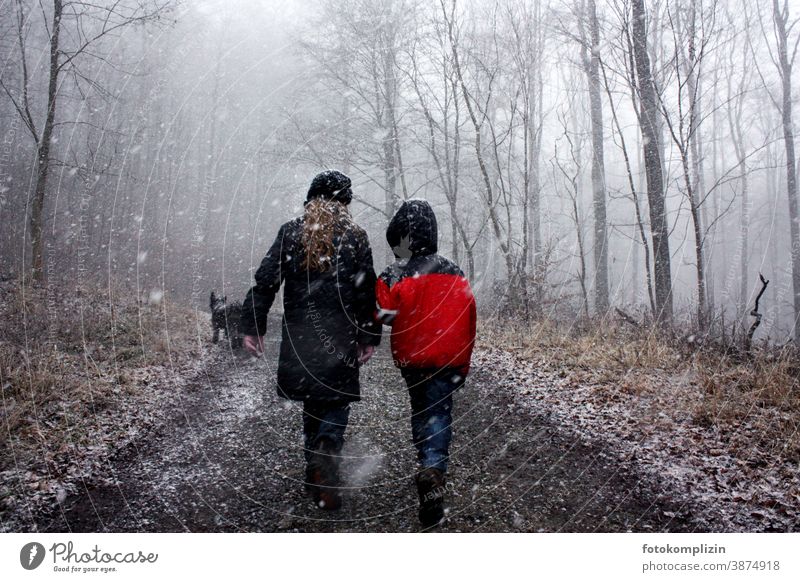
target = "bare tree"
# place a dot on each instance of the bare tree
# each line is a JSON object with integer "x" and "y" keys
{"x": 632, "y": 188}
{"x": 498, "y": 66}
{"x": 441, "y": 106}
{"x": 784, "y": 56}
{"x": 528, "y": 49}
{"x": 648, "y": 119}
{"x": 357, "y": 46}
{"x": 692, "y": 30}
{"x": 738, "y": 81}
{"x": 590, "y": 54}
{"x": 568, "y": 172}
{"x": 87, "y": 26}
{"x": 478, "y": 119}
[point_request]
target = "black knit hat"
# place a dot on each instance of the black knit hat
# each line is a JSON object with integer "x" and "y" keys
{"x": 331, "y": 184}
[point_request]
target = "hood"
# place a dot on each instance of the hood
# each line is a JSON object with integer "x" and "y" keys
{"x": 412, "y": 231}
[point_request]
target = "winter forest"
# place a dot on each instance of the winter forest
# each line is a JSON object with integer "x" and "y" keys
{"x": 594, "y": 165}
{"x": 581, "y": 155}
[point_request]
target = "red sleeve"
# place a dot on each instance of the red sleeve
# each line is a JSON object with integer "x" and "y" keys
{"x": 473, "y": 319}
{"x": 387, "y": 306}
{"x": 473, "y": 324}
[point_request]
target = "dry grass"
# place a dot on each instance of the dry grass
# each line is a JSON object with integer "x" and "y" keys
{"x": 724, "y": 390}
{"x": 610, "y": 347}
{"x": 764, "y": 392}
{"x": 77, "y": 367}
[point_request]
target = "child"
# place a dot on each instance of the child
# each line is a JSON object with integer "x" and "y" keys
{"x": 429, "y": 304}
{"x": 325, "y": 263}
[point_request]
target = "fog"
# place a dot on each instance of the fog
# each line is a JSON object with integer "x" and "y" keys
{"x": 162, "y": 144}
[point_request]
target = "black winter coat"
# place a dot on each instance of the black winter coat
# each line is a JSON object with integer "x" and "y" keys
{"x": 326, "y": 314}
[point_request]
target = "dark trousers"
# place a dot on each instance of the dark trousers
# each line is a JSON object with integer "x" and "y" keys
{"x": 324, "y": 422}
{"x": 431, "y": 415}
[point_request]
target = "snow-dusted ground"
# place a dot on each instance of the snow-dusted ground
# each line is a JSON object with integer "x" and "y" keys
{"x": 85, "y": 460}
{"x": 214, "y": 449}
{"x": 718, "y": 486}
{"x": 229, "y": 459}
{"x": 86, "y": 373}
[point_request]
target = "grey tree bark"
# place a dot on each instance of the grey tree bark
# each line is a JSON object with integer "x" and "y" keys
{"x": 648, "y": 119}
{"x": 591, "y": 65}
{"x": 43, "y": 149}
{"x": 783, "y": 26}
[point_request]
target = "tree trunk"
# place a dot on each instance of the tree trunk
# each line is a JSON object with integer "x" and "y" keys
{"x": 592, "y": 67}
{"x": 43, "y": 152}
{"x": 780, "y": 18}
{"x": 744, "y": 242}
{"x": 534, "y": 222}
{"x": 648, "y": 119}
{"x": 697, "y": 227}
{"x": 735, "y": 107}
{"x": 389, "y": 145}
{"x": 693, "y": 182}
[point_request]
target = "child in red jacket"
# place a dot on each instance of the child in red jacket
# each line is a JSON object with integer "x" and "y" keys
{"x": 429, "y": 304}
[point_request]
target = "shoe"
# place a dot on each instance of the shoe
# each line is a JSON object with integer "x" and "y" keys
{"x": 310, "y": 483}
{"x": 431, "y": 489}
{"x": 322, "y": 477}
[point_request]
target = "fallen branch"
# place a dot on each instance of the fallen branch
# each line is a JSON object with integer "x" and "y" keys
{"x": 627, "y": 318}
{"x": 755, "y": 313}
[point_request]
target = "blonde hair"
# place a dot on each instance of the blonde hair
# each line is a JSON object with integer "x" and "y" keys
{"x": 322, "y": 221}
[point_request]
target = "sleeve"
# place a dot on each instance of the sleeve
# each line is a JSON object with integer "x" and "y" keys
{"x": 369, "y": 330}
{"x": 471, "y": 308}
{"x": 386, "y": 304}
{"x": 473, "y": 316}
{"x": 260, "y": 297}
{"x": 472, "y": 313}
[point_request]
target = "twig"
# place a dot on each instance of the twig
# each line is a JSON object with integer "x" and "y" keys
{"x": 627, "y": 318}
{"x": 755, "y": 313}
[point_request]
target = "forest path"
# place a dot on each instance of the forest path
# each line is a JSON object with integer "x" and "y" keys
{"x": 231, "y": 460}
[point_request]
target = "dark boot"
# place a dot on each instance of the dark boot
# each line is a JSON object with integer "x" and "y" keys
{"x": 322, "y": 477}
{"x": 431, "y": 489}
{"x": 310, "y": 484}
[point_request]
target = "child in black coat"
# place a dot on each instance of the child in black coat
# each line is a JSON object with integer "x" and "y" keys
{"x": 325, "y": 262}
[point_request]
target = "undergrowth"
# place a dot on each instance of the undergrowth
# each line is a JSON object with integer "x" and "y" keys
{"x": 723, "y": 387}
{"x": 80, "y": 366}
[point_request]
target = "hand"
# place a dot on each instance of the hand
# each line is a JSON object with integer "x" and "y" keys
{"x": 365, "y": 352}
{"x": 254, "y": 344}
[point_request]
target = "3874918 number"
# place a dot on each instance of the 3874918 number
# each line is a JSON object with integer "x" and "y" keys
{"x": 755, "y": 565}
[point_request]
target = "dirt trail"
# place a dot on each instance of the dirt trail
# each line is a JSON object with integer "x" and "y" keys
{"x": 231, "y": 460}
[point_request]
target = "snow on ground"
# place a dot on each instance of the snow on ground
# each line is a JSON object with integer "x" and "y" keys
{"x": 720, "y": 487}
{"x": 231, "y": 460}
{"x": 211, "y": 447}
{"x": 45, "y": 484}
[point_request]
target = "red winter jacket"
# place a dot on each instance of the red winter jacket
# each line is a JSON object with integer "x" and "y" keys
{"x": 425, "y": 297}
